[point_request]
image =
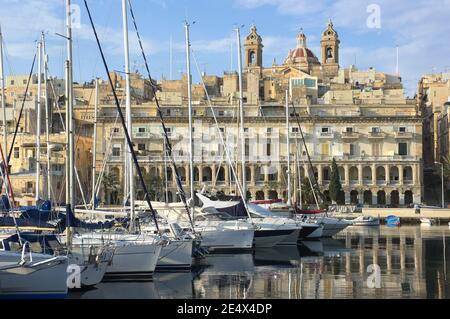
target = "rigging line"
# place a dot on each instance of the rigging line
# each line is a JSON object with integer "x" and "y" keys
{"x": 6, "y": 55}
{"x": 316, "y": 184}
{"x": 238, "y": 184}
{"x": 168, "y": 145}
{"x": 21, "y": 112}
{"x": 122, "y": 118}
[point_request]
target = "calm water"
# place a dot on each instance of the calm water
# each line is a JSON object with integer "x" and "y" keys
{"x": 414, "y": 263}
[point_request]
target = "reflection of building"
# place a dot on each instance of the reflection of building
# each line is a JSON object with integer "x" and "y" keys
{"x": 411, "y": 262}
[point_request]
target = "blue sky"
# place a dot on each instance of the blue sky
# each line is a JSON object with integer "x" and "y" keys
{"x": 420, "y": 29}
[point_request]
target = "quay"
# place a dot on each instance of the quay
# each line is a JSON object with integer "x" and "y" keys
{"x": 407, "y": 215}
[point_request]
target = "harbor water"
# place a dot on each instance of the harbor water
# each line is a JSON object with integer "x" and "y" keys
{"x": 360, "y": 262}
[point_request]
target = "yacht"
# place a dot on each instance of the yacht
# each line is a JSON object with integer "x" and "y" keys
{"x": 268, "y": 231}
{"x": 218, "y": 231}
{"x": 24, "y": 274}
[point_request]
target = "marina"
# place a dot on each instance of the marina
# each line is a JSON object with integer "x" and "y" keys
{"x": 296, "y": 180}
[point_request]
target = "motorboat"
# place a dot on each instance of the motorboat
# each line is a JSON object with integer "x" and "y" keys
{"x": 330, "y": 226}
{"x": 218, "y": 231}
{"x": 427, "y": 221}
{"x": 392, "y": 220}
{"x": 268, "y": 232}
{"x": 364, "y": 221}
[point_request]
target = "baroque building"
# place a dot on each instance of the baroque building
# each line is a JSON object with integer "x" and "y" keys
{"x": 359, "y": 117}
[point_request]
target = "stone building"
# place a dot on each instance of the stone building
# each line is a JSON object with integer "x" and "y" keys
{"x": 359, "y": 117}
{"x": 434, "y": 99}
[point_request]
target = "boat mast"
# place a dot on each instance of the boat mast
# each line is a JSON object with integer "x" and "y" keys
{"x": 288, "y": 149}
{"x": 129, "y": 167}
{"x": 69, "y": 120}
{"x": 2, "y": 85}
{"x": 94, "y": 144}
{"x": 38, "y": 121}
{"x": 241, "y": 112}
{"x": 189, "y": 92}
{"x": 166, "y": 193}
{"x": 47, "y": 119}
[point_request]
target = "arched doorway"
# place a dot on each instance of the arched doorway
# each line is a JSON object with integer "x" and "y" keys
{"x": 273, "y": 194}
{"x": 395, "y": 198}
{"x": 221, "y": 175}
{"x": 353, "y": 174}
{"x": 408, "y": 198}
{"x": 196, "y": 174}
{"x": 206, "y": 174}
{"x": 367, "y": 198}
{"x": 354, "y": 197}
{"x": 341, "y": 198}
{"x": 381, "y": 198}
{"x": 259, "y": 195}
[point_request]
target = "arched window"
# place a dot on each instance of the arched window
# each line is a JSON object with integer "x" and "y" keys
{"x": 252, "y": 58}
{"x": 329, "y": 53}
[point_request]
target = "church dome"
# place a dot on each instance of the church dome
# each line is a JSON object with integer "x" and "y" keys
{"x": 301, "y": 54}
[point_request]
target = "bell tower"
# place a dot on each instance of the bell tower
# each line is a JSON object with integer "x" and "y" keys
{"x": 253, "y": 49}
{"x": 330, "y": 50}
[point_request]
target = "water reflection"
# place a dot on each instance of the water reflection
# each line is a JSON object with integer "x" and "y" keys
{"x": 412, "y": 260}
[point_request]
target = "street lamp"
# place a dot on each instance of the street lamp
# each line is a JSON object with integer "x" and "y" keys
{"x": 442, "y": 181}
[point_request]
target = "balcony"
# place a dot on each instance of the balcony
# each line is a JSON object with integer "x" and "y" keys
{"x": 28, "y": 191}
{"x": 376, "y": 135}
{"x": 350, "y": 135}
{"x": 403, "y": 135}
{"x": 142, "y": 135}
{"x": 326, "y": 135}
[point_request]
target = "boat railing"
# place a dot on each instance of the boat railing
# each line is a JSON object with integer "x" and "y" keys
{"x": 23, "y": 260}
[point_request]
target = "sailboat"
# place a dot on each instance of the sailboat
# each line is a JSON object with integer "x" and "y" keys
{"x": 217, "y": 235}
{"x": 28, "y": 275}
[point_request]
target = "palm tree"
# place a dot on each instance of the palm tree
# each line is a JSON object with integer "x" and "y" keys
{"x": 335, "y": 182}
{"x": 155, "y": 186}
{"x": 112, "y": 187}
{"x": 446, "y": 166}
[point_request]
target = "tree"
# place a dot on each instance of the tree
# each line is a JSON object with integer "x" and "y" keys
{"x": 155, "y": 186}
{"x": 335, "y": 182}
{"x": 112, "y": 187}
{"x": 446, "y": 166}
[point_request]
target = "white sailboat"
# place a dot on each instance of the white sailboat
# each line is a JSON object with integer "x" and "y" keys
{"x": 27, "y": 275}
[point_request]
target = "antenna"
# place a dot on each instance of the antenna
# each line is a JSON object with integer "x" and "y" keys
{"x": 171, "y": 59}
{"x": 396, "y": 65}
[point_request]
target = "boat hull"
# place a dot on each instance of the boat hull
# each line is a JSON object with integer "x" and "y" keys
{"x": 266, "y": 238}
{"x": 45, "y": 278}
{"x": 176, "y": 256}
{"x": 137, "y": 260}
{"x": 227, "y": 239}
{"x": 291, "y": 239}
